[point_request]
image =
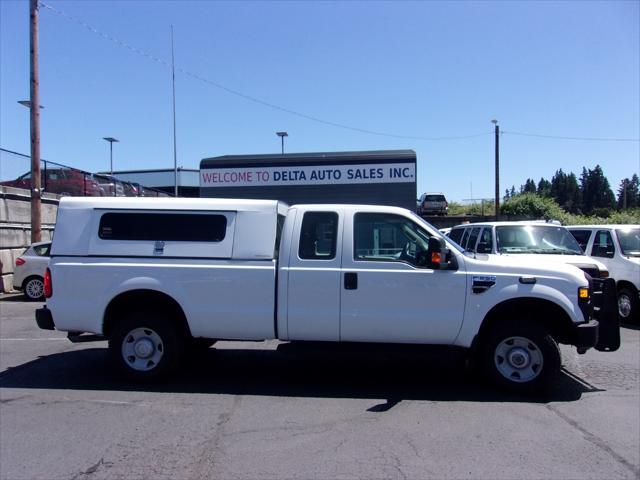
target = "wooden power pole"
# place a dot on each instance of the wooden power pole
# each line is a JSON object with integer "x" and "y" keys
{"x": 36, "y": 227}
{"x": 497, "y": 200}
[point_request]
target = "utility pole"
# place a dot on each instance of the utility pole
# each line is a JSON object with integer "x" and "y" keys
{"x": 497, "y": 193}
{"x": 36, "y": 213}
{"x": 175, "y": 150}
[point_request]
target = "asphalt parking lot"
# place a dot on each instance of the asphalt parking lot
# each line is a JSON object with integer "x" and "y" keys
{"x": 277, "y": 411}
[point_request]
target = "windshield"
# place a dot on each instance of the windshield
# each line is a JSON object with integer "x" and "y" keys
{"x": 629, "y": 239}
{"x": 549, "y": 239}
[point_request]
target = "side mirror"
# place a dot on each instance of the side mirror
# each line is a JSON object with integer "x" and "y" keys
{"x": 438, "y": 254}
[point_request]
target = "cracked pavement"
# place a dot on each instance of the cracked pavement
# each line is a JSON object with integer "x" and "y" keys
{"x": 280, "y": 411}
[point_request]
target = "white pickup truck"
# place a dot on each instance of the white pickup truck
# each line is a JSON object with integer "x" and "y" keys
{"x": 157, "y": 276}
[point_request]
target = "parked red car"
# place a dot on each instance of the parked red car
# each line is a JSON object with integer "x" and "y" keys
{"x": 63, "y": 181}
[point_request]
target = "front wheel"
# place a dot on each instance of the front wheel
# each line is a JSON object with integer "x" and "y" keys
{"x": 628, "y": 305}
{"x": 145, "y": 346}
{"x": 522, "y": 357}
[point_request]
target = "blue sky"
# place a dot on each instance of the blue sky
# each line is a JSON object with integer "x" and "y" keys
{"x": 418, "y": 69}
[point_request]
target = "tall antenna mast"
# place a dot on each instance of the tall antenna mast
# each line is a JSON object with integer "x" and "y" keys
{"x": 175, "y": 150}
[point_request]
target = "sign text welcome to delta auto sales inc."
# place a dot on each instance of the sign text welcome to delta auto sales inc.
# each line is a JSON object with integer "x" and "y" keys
{"x": 307, "y": 175}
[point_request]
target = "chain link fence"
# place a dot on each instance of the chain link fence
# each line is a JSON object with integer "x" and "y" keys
{"x": 15, "y": 171}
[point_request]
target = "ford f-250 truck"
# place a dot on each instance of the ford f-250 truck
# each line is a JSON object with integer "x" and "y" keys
{"x": 158, "y": 276}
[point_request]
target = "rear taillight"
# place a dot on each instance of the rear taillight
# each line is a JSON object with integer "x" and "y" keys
{"x": 20, "y": 261}
{"x": 48, "y": 287}
{"x": 604, "y": 274}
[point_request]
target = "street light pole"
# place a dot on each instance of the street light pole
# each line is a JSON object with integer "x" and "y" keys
{"x": 175, "y": 151}
{"x": 36, "y": 213}
{"x": 497, "y": 193}
{"x": 111, "y": 140}
{"x": 282, "y": 135}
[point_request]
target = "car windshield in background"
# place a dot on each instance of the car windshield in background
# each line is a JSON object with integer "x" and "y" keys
{"x": 547, "y": 239}
{"x": 629, "y": 241}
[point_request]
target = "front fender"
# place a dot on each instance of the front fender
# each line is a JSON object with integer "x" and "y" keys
{"x": 479, "y": 305}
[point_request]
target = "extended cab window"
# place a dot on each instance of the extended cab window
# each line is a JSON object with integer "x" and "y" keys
{"x": 318, "y": 236}
{"x": 180, "y": 227}
{"x": 456, "y": 235}
{"x": 603, "y": 245}
{"x": 582, "y": 237}
{"x": 389, "y": 238}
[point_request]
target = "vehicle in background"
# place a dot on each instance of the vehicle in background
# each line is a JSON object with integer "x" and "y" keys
{"x": 527, "y": 240}
{"x": 432, "y": 204}
{"x": 61, "y": 181}
{"x": 110, "y": 186}
{"x": 617, "y": 247}
{"x": 28, "y": 274}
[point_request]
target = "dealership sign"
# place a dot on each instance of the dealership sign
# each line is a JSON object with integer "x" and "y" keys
{"x": 308, "y": 175}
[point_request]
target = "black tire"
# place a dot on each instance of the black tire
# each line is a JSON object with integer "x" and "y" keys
{"x": 629, "y": 310}
{"x": 521, "y": 357}
{"x": 145, "y": 346}
{"x": 33, "y": 288}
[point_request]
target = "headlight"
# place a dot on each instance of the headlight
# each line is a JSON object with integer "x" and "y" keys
{"x": 604, "y": 274}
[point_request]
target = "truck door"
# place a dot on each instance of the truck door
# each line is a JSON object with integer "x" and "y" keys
{"x": 313, "y": 297}
{"x": 387, "y": 296}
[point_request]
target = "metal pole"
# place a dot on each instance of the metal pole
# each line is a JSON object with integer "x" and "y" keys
{"x": 497, "y": 200}
{"x": 36, "y": 225}
{"x": 111, "y": 156}
{"x": 282, "y": 138}
{"x": 175, "y": 151}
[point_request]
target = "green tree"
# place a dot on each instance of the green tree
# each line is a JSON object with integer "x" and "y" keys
{"x": 544, "y": 188}
{"x": 597, "y": 197}
{"x": 529, "y": 186}
{"x": 629, "y": 193}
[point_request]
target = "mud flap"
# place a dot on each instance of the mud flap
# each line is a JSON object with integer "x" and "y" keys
{"x": 605, "y": 310}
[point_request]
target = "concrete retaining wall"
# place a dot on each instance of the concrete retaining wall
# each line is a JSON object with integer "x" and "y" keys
{"x": 15, "y": 227}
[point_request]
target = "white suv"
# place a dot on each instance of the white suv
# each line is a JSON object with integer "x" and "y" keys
{"x": 618, "y": 247}
{"x": 530, "y": 241}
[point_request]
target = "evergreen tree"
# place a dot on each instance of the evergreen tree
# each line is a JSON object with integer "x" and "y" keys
{"x": 529, "y": 186}
{"x": 632, "y": 193}
{"x": 573, "y": 199}
{"x": 596, "y": 192}
{"x": 544, "y": 188}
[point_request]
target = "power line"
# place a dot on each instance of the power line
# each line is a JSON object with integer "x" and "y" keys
{"x": 557, "y": 137}
{"x": 249, "y": 97}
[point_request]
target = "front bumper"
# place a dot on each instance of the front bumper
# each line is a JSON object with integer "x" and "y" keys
{"x": 44, "y": 319}
{"x": 586, "y": 335}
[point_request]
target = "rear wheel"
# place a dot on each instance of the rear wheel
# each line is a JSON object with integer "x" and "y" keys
{"x": 33, "y": 288}
{"x": 522, "y": 357}
{"x": 145, "y": 346}
{"x": 628, "y": 305}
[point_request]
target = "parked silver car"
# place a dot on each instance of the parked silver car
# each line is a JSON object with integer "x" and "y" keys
{"x": 28, "y": 274}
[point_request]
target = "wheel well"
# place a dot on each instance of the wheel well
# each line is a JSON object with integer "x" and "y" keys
{"x": 148, "y": 300}
{"x": 625, "y": 284}
{"x": 547, "y": 313}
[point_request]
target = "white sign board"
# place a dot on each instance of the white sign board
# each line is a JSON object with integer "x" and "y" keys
{"x": 308, "y": 175}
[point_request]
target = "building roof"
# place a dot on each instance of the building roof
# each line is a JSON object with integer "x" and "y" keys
{"x": 312, "y": 158}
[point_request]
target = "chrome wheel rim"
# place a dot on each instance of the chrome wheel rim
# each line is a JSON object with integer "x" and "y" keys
{"x": 624, "y": 306}
{"x": 34, "y": 288}
{"x": 142, "y": 349}
{"x": 518, "y": 359}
